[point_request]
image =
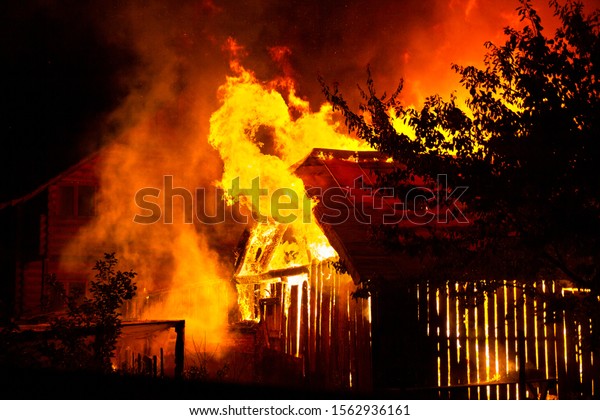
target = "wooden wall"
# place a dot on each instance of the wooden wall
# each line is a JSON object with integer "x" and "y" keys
{"x": 62, "y": 228}
{"x": 314, "y": 318}
{"x": 50, "y": 229}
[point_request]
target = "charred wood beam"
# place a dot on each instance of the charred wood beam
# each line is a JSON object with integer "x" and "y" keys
{"x": 273, "y": 274}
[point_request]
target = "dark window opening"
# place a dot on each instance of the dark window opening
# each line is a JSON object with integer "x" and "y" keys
{"x": 76, "y": 201}
{"x": 85, "y": 201}
{"x": 77, "y": 291}
{"x": 53, "y": 297}
{"x": 66, "y": 201}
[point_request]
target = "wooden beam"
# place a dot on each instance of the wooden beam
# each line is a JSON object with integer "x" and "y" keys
{"x": 273, "y": 274}
{"x": 179, "y": 348}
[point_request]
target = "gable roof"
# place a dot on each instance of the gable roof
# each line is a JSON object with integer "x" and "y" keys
{"x": 349, "y": 206}
{"x": 88, "y": 160}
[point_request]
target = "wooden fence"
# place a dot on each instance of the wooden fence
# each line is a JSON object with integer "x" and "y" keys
{"x": 484, "y": 346}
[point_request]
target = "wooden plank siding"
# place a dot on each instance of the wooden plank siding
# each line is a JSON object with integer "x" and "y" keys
{"x": 478, "y": 349}
{"x": 323, "y": 327}
{"x": 54, "y": 231}
{"x": 31, "y": 291}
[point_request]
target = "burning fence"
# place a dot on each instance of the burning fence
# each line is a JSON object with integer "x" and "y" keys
{"x": 505, "y": 344}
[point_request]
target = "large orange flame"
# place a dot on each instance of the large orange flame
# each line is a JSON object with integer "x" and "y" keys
{"x": 260, "y": 133}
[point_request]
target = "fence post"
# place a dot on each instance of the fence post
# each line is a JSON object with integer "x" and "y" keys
{"x": 521, "y": 355}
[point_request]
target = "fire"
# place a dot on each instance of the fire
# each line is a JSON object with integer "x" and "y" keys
{"x": 295, "y": 281}
{"x": 180, "y": 272}
{"x": 260, "y": 133}
{"x": 321, "y": 249}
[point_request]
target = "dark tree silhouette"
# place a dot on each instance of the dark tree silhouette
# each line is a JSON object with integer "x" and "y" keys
{"x": 83, "y": 337}
{"x": 86, "y": 336}
{"x": 527, "y": 148}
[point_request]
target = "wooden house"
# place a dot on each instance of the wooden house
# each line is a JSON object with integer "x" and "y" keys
{"x": 37, "y": 227}
{"x": 405, "y": 336}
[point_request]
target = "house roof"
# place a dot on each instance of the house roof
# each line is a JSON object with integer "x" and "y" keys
{"x": 90, "y": 159}
{"x": 350, "y": 206}
{"x": 346, "y": 185}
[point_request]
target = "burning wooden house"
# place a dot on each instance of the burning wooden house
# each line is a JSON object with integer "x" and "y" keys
{"x": 308, "y": 321}
{"x": 350, "y": 313}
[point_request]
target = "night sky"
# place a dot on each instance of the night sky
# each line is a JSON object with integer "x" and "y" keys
{"x": 68, "y": 66}
{"x": 59, "y": 81}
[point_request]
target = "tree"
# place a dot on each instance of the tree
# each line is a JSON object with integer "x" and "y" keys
{"x": 86, "y": 337}
{"x": 527, "y": 148}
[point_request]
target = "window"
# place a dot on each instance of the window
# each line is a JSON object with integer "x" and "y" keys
{"x": 76, "y": 201}
{"x": 77, "y": 291}
{"x": 54, "y": 295}
{"x": 86, "y": 201}
{"x": 53, "y": 298}
{"x": 66, "y": 201}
